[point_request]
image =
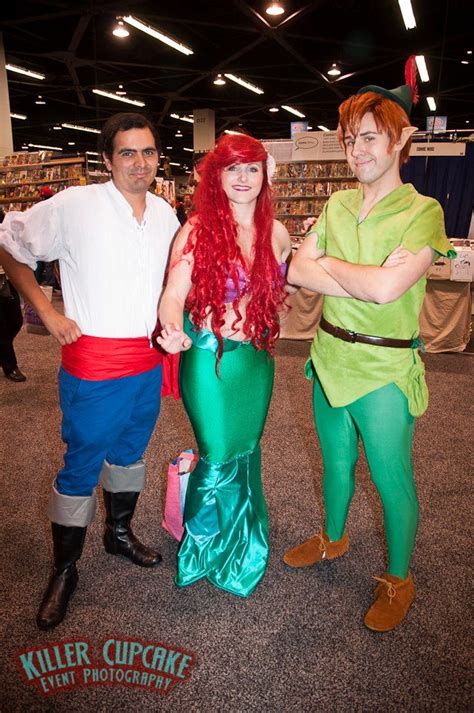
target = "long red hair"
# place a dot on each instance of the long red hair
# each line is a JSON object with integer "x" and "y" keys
{"x": 217, "y": 255}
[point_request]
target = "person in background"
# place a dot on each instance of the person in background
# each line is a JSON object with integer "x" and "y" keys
{"x": 227, "y": 275}
{"x": 44, "y": 271}
{"x": 11, "y": 320}
{"x": 180, "y": 212}
{"x": 368, "y": 253}
{"x": 112, "y": 241}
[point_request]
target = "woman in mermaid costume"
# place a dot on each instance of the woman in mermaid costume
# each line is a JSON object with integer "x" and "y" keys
{"x": 227, "y": 275}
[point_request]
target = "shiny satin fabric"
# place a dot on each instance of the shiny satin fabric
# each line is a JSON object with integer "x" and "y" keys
{"x": 100, "y": 358}
{"x": 226, "y": 517}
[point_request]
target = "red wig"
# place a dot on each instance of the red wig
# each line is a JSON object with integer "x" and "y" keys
{"x": 217, "y": 255}
{"x": 388, "y": 115}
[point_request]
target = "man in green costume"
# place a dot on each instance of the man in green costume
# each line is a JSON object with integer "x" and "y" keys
{"x": 368, "y": 253}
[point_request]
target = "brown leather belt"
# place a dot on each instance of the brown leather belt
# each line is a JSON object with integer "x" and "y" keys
{"x": 352, "y": 337}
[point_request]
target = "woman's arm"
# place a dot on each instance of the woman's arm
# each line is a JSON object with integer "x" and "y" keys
{"x": 283, "y": 250}
{"x": 171, "y": 308}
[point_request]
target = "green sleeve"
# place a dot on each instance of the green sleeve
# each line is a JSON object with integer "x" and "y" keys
{"x": 319, "y": 230}
{"x": 427, "y": 228}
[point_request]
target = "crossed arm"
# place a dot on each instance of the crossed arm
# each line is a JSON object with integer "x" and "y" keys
{"x": 312, "y": 269}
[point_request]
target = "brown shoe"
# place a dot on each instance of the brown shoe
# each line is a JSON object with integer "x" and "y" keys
{"x": 317, "y": 548}
{"x": 393, "y": 598}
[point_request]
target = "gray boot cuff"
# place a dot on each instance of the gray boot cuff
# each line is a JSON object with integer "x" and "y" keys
{"x": 71, "y": 510}
{"x": 123, "y": 479}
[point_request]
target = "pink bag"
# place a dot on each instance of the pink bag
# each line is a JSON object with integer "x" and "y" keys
{"x": 178, "y": 475}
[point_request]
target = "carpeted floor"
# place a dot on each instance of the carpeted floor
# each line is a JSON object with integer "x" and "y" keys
{"x": 298, "y": 643}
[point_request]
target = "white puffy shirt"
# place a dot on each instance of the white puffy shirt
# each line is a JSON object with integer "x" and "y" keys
{"x": 112, "y": 267}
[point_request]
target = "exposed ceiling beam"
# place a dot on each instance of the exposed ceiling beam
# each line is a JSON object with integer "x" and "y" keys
{"x": 276, "y": 35}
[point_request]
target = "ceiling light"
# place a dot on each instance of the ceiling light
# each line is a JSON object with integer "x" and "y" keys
{"x": 468, "y": 51}
{"x": 40, "y": 100}
{"x": 24, "y": 148}
{"x": 293, "y": 111}
{"x": 431, "y": 103}
{"x": 407, "y": 14}
{"x": 322, "y": 127}
{"x": 92, "y": 153}
{"x": 219, "y": 80}
{"x": 309, "y": 128}
{"x": 18, "y": 116}
{"x": 93, "y": 160}
{"x": 40, "y": 146}
{"x": 275, "y": 8}
{"x": 71, "y": 143}
{"x": 26, "y": 72}
{"x": 273, "y": 109}
{"x": 243, "y": 83}
{"x": 179, "y": 136}
{"x": 334, "y": 71}
{"x": 120, "y": 91}
{"x": 174, "y": 164}
{"x": 169, "y": 148}
{"x": 57, "y": 128}
{"x": 109, "y": 95}
{"x": 77, "y": 127}
{"x": 120, "y": 30}
{"x": 188, "y": 119}
{"x": 464, "y": 61}
{"x": 157, "y": 34}
{"x": 422, "y": 68}
{"x": 186, "y": 149}
{"x": 232, "y": 133}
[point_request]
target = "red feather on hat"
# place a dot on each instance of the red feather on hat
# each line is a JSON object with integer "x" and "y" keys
{"x": 410, "y": 77}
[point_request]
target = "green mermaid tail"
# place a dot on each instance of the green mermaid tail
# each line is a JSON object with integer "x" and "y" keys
{"x": 226, "y": 517}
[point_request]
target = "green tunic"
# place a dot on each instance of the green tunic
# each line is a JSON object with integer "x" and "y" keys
{"x": 349, "y": 371}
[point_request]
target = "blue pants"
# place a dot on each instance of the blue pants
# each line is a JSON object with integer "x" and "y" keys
{"x": 104, "y": 420}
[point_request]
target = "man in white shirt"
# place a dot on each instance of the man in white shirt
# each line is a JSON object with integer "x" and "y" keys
{"x": 112, "y": 242}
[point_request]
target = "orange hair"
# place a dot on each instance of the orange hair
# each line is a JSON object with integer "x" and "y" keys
{"x": 388, "y": 116}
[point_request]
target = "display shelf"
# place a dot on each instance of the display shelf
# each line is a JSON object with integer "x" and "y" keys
{"x": 308, "y": 178}
{"x": 27, "y": 183}
{"x": 38, "y": 164}
{"x": 22, "y": 176}
{"x": 301, "y": 188}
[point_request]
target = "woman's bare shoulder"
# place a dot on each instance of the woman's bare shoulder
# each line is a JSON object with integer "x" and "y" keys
{"x": 281, "y": 238}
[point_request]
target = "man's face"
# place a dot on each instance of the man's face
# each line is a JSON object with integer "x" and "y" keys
{"x": 134, "y": 160}
{"x": 368, "y": 153}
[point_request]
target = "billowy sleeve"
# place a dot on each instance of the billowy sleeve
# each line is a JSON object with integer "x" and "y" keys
{"x": 34, "y": 234}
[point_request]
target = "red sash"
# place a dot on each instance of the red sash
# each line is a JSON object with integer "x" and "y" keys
{"x": 99, "y": 358}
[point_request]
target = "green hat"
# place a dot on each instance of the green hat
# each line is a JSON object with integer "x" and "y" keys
{"x": 401, "y": 95}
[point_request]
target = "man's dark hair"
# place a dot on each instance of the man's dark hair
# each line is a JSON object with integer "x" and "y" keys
{"x": 123, "y": 122}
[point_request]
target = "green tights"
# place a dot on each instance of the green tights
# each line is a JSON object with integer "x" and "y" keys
{"x": 382, "y": 421}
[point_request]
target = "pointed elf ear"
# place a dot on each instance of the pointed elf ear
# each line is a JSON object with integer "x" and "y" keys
{"x": 407, "y": 131}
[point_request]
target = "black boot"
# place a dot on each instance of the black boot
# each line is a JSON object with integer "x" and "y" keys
{"x": 118, "y": 536}
{"x": 68, "y": 543}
